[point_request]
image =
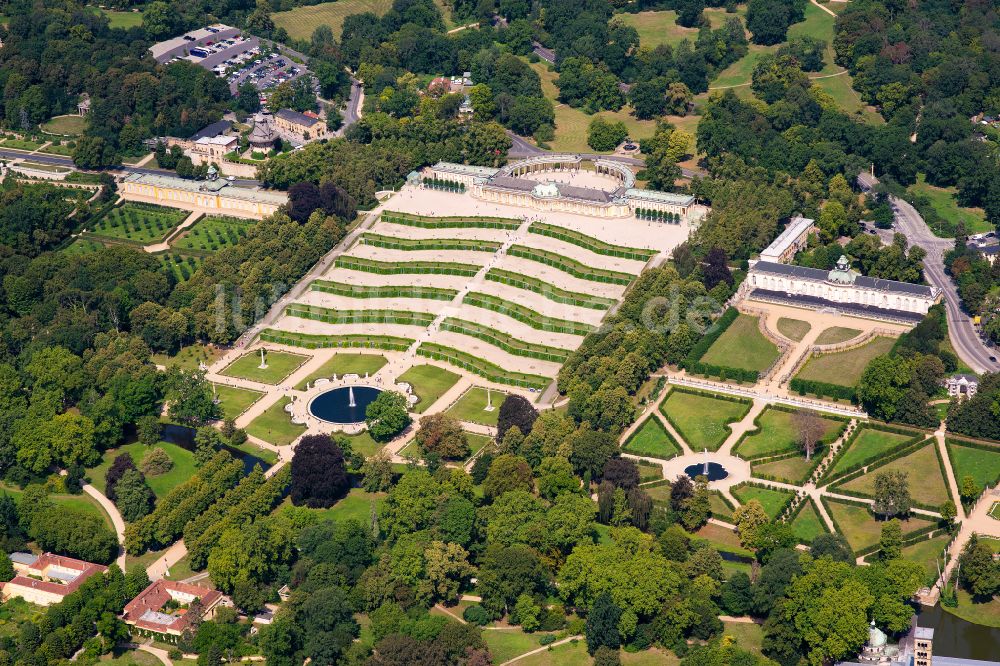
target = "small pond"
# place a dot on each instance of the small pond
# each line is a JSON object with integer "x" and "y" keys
{"x": 343, "y": 405}
{"x": 715, "y": 471}
{"x": 955, "y": 637}
{"x": 183, "y": 437}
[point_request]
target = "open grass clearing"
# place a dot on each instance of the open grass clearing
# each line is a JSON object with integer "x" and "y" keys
{"x": 66, "y": 125}
{"x": 845, "y": 368}
{"x": 859, "y": 526}
{"x": 867, "y": 444}
{"x": 722, "y": 538}
{"x": 356, "y": 505}
{"x": 301, "y": 22}
{"x": 81, "y": 502}
{"x": 279, "y": 365}
{"x": 471, "y": 407}
{"x": 139, "y": 222}
{"x": 63, "y": 148}
{"x": 362, "y": 443}
{"x": 836, "y": 334}
{"x": 233, "y": 400}
{"x": 507, "y": 643}
{"x": 188, "y": 358}
{"x": 808, "y": 524}
{"x": 927, "y": 485}
{"x": 841, "y": 89}
{"x": 720, "y": 509}
{"x": 778, "y": 433}
{"x": 652, "y": 439}
{"x": 987, "y": 614}
{"x": 160, "y": 484}
{"x": 793, "y": 329}
{"x": 275, "y": 425}
{"x": 944, "y": 201}
{"x": 702, "y": 420}
{"x": 429, "y": 383}
{"x": 772, "y": 500}
{"x": 982, "y": 465}
{"x": 743, "y": 346}
{"x": 123, "y": 20}
{"x": 748, "y": 635}
{"x": 23, "y": 144}
{"x": 346, "y": 363}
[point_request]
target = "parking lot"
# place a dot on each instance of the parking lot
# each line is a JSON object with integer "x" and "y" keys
{"x": 264, "y": 72}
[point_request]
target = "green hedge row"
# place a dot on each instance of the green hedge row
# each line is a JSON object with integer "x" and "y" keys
{"x": 407, "y": 267}
{"x": 485, "y": 369}
{"x": 666, "y": 433}
{"x": 504, "y": 341}
{"x": 426, "y": 222}
{"x": 444, "y": 184}
{"x": 595, "y": 245}
{"x": 823, "y": 389}
{"x": 333, "y": 316}
{"x": 571, "y": 266}
{"x": 365, "y": 291}
{"x": 526, "y": 315}
{"x": 548, "y": 291}
{"x": 388, "y": 342}
{"x": 915, "y": 437}
{"x": 410, "y": 244}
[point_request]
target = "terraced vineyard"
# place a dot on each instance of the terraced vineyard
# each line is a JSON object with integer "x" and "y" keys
{"x": 393, "y": 243}
{"x": 481, "y": 367}
{"x": 506, "y": 342}
{"x": 590, "y": 243}
{"x": 526, "y": 315}
{"x": 295, "y": 339}
{"x": 549, "y": 291}
{"x": 364, "y": 291}
{"x": 571, "y": 266}
{"x": 405, "y": 267}
{"x": 333, "y": 316}
{"x": 454, "y": 222}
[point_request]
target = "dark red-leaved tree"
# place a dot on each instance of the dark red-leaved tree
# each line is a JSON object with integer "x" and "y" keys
{"x": 121, "y": 464}
{"x": 621, "y": 472}
{"x": 319, "y": 475}
{"x": 515, "y": 411}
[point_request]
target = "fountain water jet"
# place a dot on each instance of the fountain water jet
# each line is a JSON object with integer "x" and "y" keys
{"x": 350, "y": 397}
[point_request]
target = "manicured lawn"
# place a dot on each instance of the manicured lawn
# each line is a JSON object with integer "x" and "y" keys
{"x": 841, "y": 89}
{"x": 867, "y": 443}
{"x": 139, "y": 222}
{"x": 795, "y": 469}
{"x": 124, "y": 20}
{"x": 505, "y": 644}
{"x": 346, "y": 363}
{"x": 363, "y": 443}
{"x": 722, "y": 538}
{"x": 702, "y": 420}
{"x": 22, "y": 144}
{"x": 778, "y": 434}
{"x": 234, "y": 401}
{"x": 987, "y": 614}
{"x": 279, "y": 365}
{"x": 189, "y": 357}
{"x": 85, "y": 246}
{"x": 652, "y": 657}
{"x": 927, "y": 553}
{"x": 943, "y": 200}
{"x": 268, "y": 456}
{"x": 649, "y": 473}
{"x": 659, "y": 494}
{"x": 213, "y": 233}
{"x": 860, "y": 527}
{"x": 845, "y": 368}
{"x": 835, "y": 334}
{"x": 302, "y": 21}
{"x": 79, "y": 502}
{"x": 772, "y": 500}
{"x": 653, "y": 440}
{"x": 983, "y": 466}
{"x": 356, "y": 505}
{"x": 720, "y": 509}
{"x": 477, "y": 442}
{"x": 927, "y": 486}
{"x": 429, "y": 383}
{"x": 742, "y": 346}
{"x": 66, "y": 125}
{"x": 793, "y": 329}
{"x": 62, "y": 148}
{"x": 181, "y": 570}
{"x": 275, "y": 426}
{"x": 129, "y": 658}
{"x": 808, "y": 524}
{"x": 471, "y": 407}
{"x": 658, "y": 28}
{"x": 182, "y": 470}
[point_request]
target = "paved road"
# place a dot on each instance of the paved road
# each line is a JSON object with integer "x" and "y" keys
{"x": 62, "y": 160}
{"x": 964, "y": 337}
{"x": 548, "y": 55}
{"x": 351, "y": 114}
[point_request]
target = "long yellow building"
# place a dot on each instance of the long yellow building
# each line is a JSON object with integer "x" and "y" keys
{"x": 217, "y": 196}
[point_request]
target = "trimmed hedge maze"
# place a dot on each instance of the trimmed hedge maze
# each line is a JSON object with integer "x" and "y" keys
{"x": 139, "y": 223}
{"x": 526, "y": 315}
{"x": 506, "y": 342}
{"x": 483, "y": 368}
{"x": 334, "y": 316}
{"x": 595, "y": 245}
{"x": 409, "y": 244}
{"x": 426, "y": 222}
{"x": 571, "y": 266}
{"x": 407, "y": 267}
{"x": 365, "y": 291}
{"x": 307, "y": 341}
{"x": 548, "y": 291}
{"x": 212, "y": 233}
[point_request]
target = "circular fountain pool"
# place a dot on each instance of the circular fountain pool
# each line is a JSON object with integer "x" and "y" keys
{"x": 716, "y": 472}
{"x": 336, "y": 405}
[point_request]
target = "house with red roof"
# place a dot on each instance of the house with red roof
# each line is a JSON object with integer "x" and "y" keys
{"x": 47, "y": 579}
{"x": 166, "y": 608}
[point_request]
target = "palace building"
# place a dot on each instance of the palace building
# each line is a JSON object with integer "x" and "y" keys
{"x": 595, "y": 187}
{"x": 218, "y": 196}
{"x": 47, "y": 579}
